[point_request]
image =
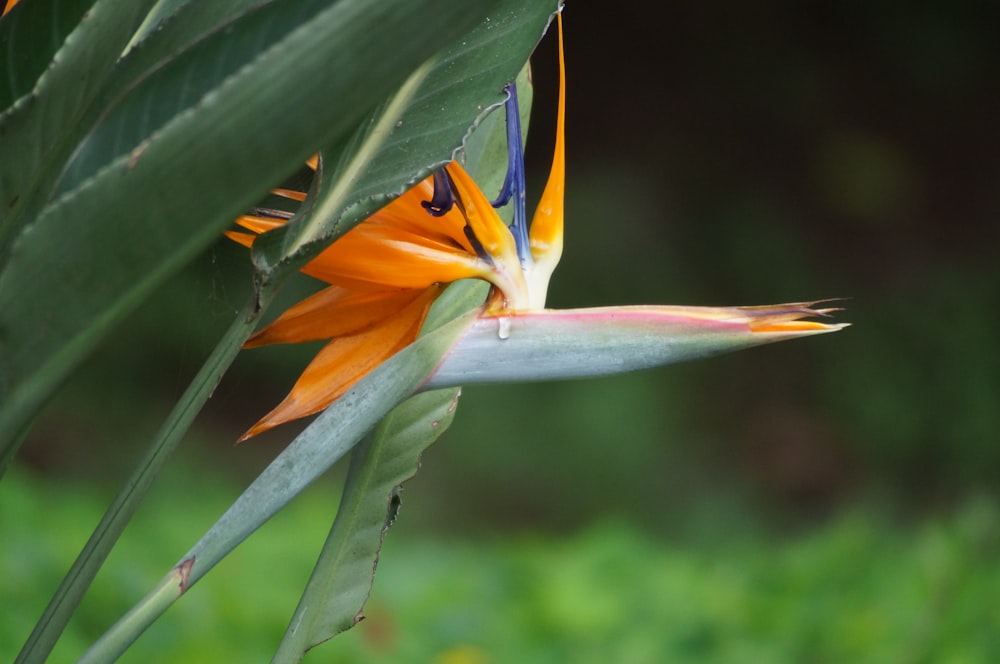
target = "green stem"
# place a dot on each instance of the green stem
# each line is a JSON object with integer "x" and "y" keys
{"x": 67, "y": 597}
{"x": 134, "y": 622}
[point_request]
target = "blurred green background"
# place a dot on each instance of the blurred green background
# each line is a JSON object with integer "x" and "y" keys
{"x": 832, "y": 499}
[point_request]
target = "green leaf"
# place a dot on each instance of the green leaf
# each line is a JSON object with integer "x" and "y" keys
{"x": 167, "y": 89}
{"x": 342, "y": 580}
{"x": 433, "y": 111}
{"x": 178, "y": 23}
{"x": 38, "y": 133}
{"x": 30, "y": 35}
{"x": 170, "y": 29}
{"x": 99, "y": 249}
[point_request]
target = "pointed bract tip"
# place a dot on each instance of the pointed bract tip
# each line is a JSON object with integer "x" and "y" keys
{"x": 792, "y": 318}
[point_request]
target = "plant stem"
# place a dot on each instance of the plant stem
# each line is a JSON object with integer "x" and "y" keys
{"x": 70, "y": 592}
{"x": 134, "y": 622}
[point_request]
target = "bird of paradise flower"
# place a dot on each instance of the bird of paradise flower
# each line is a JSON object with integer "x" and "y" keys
{"x": 386, "y": 272}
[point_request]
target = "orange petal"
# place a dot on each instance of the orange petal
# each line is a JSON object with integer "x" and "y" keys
{"x": 333, "y": 312}
{"x": 345, "y": 361}
{"x": 787, "y": 317}
{"x": 242, "y": 238}
{"x": 506, "y": 273}
{"x": 401, "y": 246}
{"x": 252, "y": 222}
{"x": 789, "y": 326}
{"x": 395, "y": 258}
{"x": 407, "y": 213}
{"x": 484, "y": 221}
{"x": 546, "y": 233}
{"x": 290, "y": 193}
{"x": 10, "y": 5}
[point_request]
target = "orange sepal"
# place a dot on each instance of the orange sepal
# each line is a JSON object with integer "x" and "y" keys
{"x": 346, "y": 360}
{"x": 788, "y": 326}
{"x": 257, "y": 224}
{"x": 478, "y": 212}
{"x": 546, "y": 233}
{"x": 333, "y": 312}
{"x": 787, "y": 317}
{"x": 241, "y": 238}
{"x": 407, "y": 213}
{"x": 394, "y": 258}
{"x": 290, "y": 193}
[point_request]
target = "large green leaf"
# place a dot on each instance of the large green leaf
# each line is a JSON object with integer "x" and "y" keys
{"x": 48, "y": 123}
{"x": 36, "y": 134}
{"x": 169, "y": 32}
{"x": 167, "y": 89}
{"x": 30, "y": 35}
{"x": 173, "y": 24}
{"x": 99, "y": 249}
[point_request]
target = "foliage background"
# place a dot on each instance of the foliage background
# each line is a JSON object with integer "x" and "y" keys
{"x": 828, "y": 500}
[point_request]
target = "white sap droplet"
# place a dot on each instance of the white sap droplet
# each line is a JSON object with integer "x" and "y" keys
{"x": 503, "y": 327}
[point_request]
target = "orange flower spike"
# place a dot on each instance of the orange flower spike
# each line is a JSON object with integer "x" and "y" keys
{"x": 10, "y": 5}
{"x": 546, "y": 234}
